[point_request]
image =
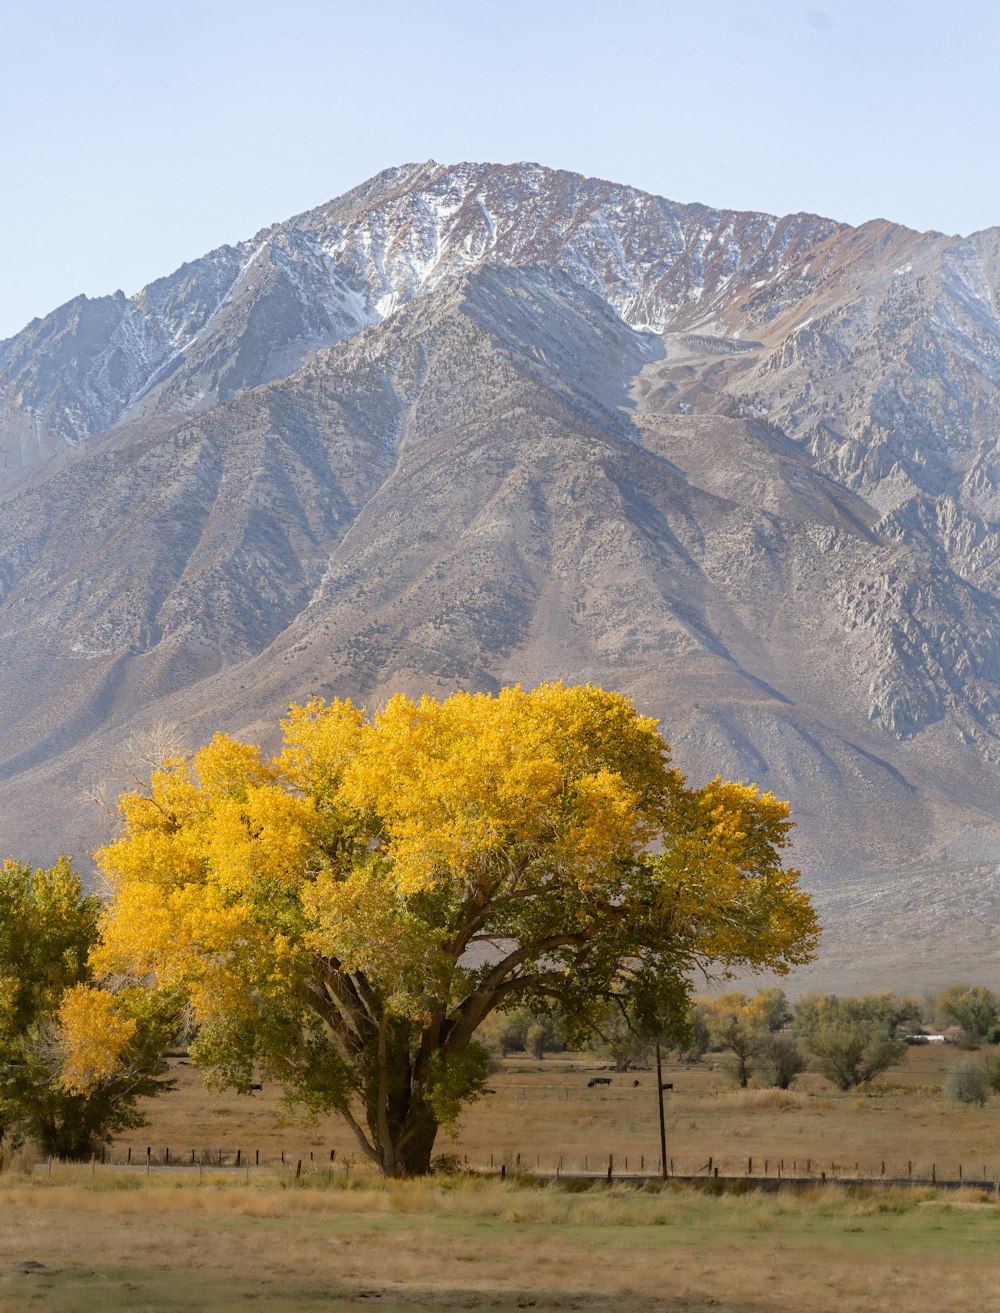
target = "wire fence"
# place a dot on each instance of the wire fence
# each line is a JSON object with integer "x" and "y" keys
{"x": 637, "y": 1167}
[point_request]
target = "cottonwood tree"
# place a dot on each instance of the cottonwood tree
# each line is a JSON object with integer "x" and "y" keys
{"x": 974, "y": 1009}
{"x": 610, "y": 1032}
{"x": 48, "y": 927}
{"x": 777, "y": 1061}
{"x": 344, "y": 916}
{"x": 741, "y": 1024}
{"x": 850, "y": 1039}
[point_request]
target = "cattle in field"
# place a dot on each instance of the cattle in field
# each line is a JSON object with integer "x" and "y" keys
{"x": 598, "y": 1080}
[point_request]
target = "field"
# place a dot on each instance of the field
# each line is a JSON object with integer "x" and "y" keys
{"x": 180, "y": 1242}
{"x": 76, "y": 1239}
{"x": 544, "y": 1112}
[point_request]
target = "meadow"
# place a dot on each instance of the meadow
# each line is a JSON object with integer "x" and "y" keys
{"x": 542, "y": 1116}
{"x": 80, "y": 1243}
{"x": 92, "y": 1237}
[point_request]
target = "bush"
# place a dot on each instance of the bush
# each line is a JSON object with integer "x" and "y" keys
{"x": 778, "y": 1061}
{"x": 967, "y": 1082}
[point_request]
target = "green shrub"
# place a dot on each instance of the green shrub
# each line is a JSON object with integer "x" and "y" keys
{"x": 967, "y": 1082}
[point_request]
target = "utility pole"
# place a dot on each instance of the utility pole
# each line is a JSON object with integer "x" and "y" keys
{"x": 663, "y": 1128}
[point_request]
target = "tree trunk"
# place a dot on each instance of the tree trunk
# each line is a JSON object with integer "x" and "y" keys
{"x": 404, "y": 1148}
{"x": 401, "y": 1126}
{"x": 414, "y": 1158}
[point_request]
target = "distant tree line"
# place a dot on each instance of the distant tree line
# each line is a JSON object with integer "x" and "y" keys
{"x": 766, "y": 1041}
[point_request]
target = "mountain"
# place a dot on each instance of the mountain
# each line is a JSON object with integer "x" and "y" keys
{"x": 475, "y": 424}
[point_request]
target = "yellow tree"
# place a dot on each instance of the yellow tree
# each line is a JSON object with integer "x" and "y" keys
{"x": 743, "y": 1025}
{"x": 344, "y": 916}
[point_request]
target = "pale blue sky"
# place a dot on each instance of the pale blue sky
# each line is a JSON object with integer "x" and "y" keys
{"x": 140, "y": 133}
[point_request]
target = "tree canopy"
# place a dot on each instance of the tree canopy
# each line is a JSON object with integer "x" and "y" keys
{"x": 743, "y": 1025}
{"x": 852, "y": 1039}
{"x": 343, "y": 916}
{"x": 69, "y": 1097}
{"x": 975, "y": 1009}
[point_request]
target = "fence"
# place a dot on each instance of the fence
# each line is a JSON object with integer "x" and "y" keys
{"x": 762, "y": 1171}
{"x": 637, "y": 1168}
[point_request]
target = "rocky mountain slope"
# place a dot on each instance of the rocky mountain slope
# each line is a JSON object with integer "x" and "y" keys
{"x": 469, "y": 425}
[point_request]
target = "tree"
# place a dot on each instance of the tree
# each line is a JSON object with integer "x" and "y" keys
{"x": 976, "y": 1010}
{"x": 850, "y": 1038}
{"x": 543, "y": 1036}
{"x": 48, "y": 927}
{"x": 778, "y": 1061}
{"x": 742, "y": 1025}
{"x": 732, "y": 1026}
{"x": 506, "y": 1032}
{"x": 609, "y": 1031}
{"x": 343, "y": 917}
{"x": 694, "y": 1039}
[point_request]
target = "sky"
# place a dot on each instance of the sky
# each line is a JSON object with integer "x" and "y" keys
{"x": 138, "y": 134}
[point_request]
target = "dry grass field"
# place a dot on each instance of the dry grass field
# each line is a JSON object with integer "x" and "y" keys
{"x": 83, "y": 1239}
{"x": 544, "y": 1112}
{"x": 76, "y": 1243}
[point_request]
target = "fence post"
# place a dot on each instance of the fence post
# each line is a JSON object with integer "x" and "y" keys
{"x": 611, "y": 1164}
